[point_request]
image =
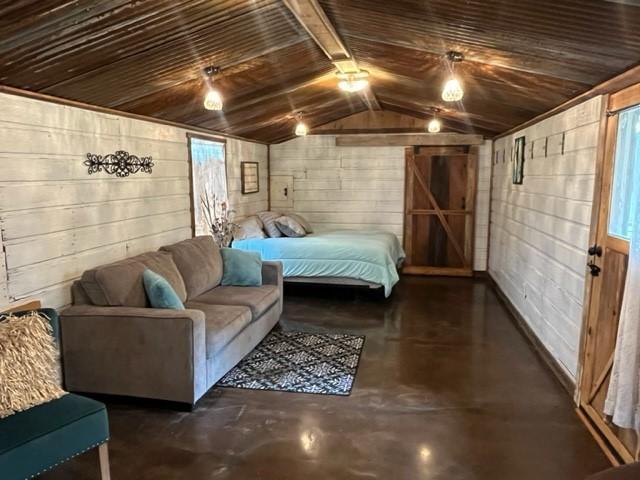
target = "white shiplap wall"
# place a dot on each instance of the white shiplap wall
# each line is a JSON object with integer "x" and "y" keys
{"x": 58, "y": 221}
{"x": 342, "y": 187}
{"x": 483, "y": 205}
{"x": 358, "y": 187}
{"x": 539, "y": 230}
{"x": 239, "y": 151}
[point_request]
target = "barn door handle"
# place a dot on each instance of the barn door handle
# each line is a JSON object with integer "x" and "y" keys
{"x": 595, "y": 269}
{"x": 286, "y": 191}
{"x": 595, "y": 249}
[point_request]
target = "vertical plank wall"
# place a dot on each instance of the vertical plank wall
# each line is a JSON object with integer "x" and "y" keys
{"x": 4, "y": 296}
{"x": 359, "y": 187}
{"x": 539, "y": 230}
{"x": 56, "y": 220}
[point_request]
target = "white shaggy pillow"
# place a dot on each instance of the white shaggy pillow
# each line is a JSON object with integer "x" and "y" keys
{"x": 250, "y": 227}
{"x": 29, "y": 363}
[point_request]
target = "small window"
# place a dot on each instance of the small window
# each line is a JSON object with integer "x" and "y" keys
{"x": 626, "y": 175}
{"x": 209, "y": 174}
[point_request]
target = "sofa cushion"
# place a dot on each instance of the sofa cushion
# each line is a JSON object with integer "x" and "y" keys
{"x": 43, "y": 436}
{"x": 241, "y": 268}
{"x": 160, "y": 292}
{"x": 222, "y": 324}
{"x": 258, "y": 299}
{"x": 116, "y": 284}
{"x": 199, "y": 262}
{"x": 162, "y": 263}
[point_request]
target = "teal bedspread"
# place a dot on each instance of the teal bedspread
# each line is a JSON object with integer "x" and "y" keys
{"x": 366, "y": 255}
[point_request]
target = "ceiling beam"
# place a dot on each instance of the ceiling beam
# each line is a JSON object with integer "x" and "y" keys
{"x": 315, "y": 21}
{"x": 408, "y": 139}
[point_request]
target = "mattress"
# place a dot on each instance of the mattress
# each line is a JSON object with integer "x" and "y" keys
{"x": 370, "y": 256}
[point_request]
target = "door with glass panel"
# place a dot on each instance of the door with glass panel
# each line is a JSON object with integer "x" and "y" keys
{"x": 607, "y": 266}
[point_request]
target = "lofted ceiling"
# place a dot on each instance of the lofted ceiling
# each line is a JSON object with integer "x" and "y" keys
{"x": 146, "y": 57}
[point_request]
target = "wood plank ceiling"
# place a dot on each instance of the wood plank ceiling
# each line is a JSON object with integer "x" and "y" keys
{"x": 146, "y": 56}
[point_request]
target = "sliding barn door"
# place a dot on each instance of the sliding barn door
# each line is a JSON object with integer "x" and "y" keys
{"x": 608, "y": 259}
{"x": 439, "y": 202}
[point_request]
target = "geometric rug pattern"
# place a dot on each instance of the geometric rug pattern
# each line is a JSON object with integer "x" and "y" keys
{"x": 299, "y": 362}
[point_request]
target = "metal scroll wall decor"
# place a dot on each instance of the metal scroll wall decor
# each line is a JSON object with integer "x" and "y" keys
{"x": 120, "y": 164}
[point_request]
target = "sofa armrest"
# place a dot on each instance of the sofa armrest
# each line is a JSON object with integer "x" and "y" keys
{"x": 140, "y": 352}
{"x": 272, "y": 275}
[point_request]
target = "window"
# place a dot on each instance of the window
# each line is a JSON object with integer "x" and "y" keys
{"x": 626, "y": 175}
{"x": 209, "y": 174}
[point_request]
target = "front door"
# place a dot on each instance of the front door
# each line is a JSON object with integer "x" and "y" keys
{"x": 439, "y": 204}
{"x": 608, "y": 258}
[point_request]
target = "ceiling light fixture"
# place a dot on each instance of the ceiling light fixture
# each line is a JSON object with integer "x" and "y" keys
{"x": 452, "y": 91}
{"x": 213, "y": 99}
{"x": 354, "y": 81}
{"x": 435, "y": 124}
{"x": 301, "y": 127}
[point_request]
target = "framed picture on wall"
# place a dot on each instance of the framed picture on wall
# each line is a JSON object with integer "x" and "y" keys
{"x": 518, "y": 161}
{"x": 250, "y": 177}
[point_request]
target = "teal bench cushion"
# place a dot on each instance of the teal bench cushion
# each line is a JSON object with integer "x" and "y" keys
{"x": 43, "y": 436}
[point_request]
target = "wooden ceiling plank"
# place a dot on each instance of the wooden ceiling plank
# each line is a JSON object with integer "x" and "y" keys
{"x": 614, "y": 84}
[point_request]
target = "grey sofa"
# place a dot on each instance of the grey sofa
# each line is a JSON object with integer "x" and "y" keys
{"x": 114, "y": 343}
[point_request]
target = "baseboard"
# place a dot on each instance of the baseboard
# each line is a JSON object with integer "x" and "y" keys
{"x": 565, "y": 380}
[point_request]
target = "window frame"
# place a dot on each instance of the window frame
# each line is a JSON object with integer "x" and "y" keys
{"x": 208, "y": 138}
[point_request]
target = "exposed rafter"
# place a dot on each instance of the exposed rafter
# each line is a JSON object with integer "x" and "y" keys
{"x": 314, "y": 20}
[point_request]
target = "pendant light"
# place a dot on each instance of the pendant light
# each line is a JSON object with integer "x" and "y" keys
{"x": 213, "y": 99}
{"x": 301, "y": 127}
{"x": 434, "y": 125}
{"x": 353, "y": 82}
{"x": 452, "y": 91}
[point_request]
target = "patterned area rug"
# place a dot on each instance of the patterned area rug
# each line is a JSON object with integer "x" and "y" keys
{"x": 299, "y": 362}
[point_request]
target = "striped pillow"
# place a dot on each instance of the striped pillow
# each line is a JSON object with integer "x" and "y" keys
{"x": 269, "y": 221}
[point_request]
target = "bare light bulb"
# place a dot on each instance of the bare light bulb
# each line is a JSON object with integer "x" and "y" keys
{"x": 301, "y": 129}
{"x": 452, "y": 91}
{"x": 213, "y": 100}
{"x": 434, "y": 126}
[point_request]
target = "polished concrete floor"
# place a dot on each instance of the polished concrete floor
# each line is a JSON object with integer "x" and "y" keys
{"x": 447, "y": 389}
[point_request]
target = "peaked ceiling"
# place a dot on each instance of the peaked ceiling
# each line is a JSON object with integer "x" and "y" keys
{"x": 521, "y": 58}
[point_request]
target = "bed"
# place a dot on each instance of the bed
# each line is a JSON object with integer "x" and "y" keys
{"x": 368, "y": 258}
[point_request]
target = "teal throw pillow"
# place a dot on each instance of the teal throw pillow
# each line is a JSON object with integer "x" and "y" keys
{"x": 160, "y": 292}
{"x": 241, "y": 268}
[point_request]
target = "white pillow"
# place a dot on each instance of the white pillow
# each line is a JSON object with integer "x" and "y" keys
{"x": 302, "y": 221}
{"x": 290, "y": 227}
{"x": 250, "y": 227}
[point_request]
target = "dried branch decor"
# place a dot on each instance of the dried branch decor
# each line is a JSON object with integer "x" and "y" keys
{"x": 120, "y": 164}
{"x": 218, "y": 218}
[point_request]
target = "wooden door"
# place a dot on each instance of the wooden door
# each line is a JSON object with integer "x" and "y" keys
{"x": 606, "y": 274}
{"x": 439, "y": 204}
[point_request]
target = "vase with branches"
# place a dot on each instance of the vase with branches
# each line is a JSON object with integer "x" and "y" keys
{"x": 218, "y": 218}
